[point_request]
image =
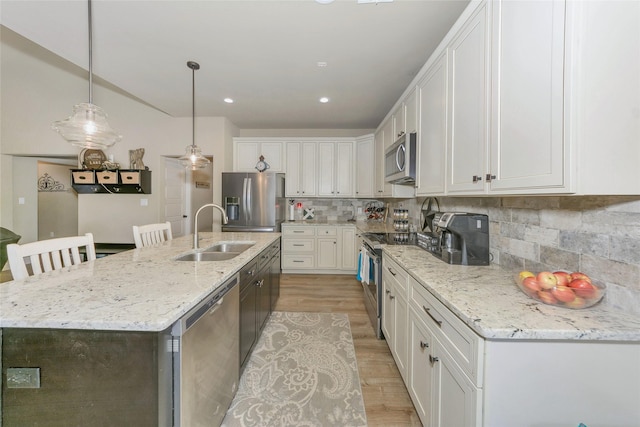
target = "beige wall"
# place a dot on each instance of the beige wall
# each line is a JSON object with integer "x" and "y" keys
{"x": 38, "y": 88}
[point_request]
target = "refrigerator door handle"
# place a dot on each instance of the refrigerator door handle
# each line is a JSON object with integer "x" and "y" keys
{"x": 249, "y": 207}
{"x": 245, "y": 207}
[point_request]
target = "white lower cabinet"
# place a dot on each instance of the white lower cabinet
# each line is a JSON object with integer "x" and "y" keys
{"x": 394, "y": 312}
{"x": 444, "y": 379}
{"x": 457, "y": 378}
{"x": 327, "y": 257}
{"x": 318, "y": 249}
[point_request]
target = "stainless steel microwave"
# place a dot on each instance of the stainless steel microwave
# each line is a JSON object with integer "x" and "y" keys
{"x": 400, "y": 160}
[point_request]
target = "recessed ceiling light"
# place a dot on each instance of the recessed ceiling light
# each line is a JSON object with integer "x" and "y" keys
{"x": 228, "y": 100}
{"x": 322, "y": 64}
{"x": 324, "y": 1}
{"x": 324, "y": 100}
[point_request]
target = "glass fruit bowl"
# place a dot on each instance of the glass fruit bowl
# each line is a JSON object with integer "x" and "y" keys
{"x": 561, "y": 288}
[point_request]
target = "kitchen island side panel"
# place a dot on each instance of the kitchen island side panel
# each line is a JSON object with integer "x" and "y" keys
{"x": 97, "y": 378}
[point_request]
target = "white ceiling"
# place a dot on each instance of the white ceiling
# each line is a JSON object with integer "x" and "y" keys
{"x": 263, "y": 54}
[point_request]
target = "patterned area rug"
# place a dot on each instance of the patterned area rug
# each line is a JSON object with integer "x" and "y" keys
{"x": 302, "y": 372}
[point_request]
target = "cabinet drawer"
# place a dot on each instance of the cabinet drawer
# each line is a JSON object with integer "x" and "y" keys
{"x": 327, "y": 231}
{"x": 399, "y": 274}
{"x": 464, "y": 345}
{"x": 298, "y": 231}
{"x": 297, "y": 261}
{"x": 298, "y": 245}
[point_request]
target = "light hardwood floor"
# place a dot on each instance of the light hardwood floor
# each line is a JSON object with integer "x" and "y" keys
{"x": 386, "y": 399}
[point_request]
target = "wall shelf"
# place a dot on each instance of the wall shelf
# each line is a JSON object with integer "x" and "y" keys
{"x": 120, "y": 181}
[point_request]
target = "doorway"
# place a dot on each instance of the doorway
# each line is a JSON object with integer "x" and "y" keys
{"x": 57, "y": 201}
{"x": 184, "y": 192}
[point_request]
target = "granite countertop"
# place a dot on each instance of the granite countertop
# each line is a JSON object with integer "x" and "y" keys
{"x": 142, "y": 289}
{"x": 487, "y": 299}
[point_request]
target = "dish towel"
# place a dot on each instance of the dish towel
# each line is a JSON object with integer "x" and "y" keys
{"x": 359, "y": 275}
{"x": 365, "y": 267}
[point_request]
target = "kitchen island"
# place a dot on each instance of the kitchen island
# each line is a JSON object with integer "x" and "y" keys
{"x": 474, "y": 350}
{"x": 98, "y": 336}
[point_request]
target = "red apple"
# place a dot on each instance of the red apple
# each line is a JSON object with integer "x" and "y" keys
{"x": 546, "y": 279}
{"x": 547, "y": 297}
{"x": 578, "y": 275}
{"x": 531, "y": 283}
{"x": 583, "y": 289}
{"x": 563, "y": 277}
{"x": 563, "y": 293}
{"x": 576, "y": 303}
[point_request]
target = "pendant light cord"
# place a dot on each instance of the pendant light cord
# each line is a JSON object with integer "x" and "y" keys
{"x": 193, "y": 106}
{"x": 194, "y": 66}
{"x": 90, "y": 55}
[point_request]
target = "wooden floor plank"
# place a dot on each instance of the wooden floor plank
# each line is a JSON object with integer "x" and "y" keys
{"x": 386, "y": 399}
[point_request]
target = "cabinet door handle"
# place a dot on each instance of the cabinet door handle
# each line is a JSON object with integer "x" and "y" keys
{"x": 488, "y": 177}
{"x": 391, "y": 271}
{"x": 391, "y": 297}
{"x": 424, "y": 344}
{"x": 433, "y": 359}
{"x": 477, "y": 178}
{"x": 298, "y": 244}
{"x": 297, "y": 260}
{"x": 387, "y": 291}
{"x": 428, "y": 311}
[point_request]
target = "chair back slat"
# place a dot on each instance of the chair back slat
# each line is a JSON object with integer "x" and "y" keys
{"x": 36, "y": 265}
{"x": 60, "y": 259}
{"x": 151, "y": 234}
{"x": 49, "y": 255}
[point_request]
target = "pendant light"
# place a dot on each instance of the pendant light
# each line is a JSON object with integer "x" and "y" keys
{"x": 193, "y": 157}
{"x": 87, "y": 127}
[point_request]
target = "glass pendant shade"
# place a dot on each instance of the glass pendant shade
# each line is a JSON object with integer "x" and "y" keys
{"x": 87, "y": 127}
{"x": 193, "y": 158}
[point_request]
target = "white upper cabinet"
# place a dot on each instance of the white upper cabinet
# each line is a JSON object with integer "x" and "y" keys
{"x": 468, "y": 105}
{"x": 365, "y": 166}
{"x": 399, "y": 123}
{"x": 247, "y": 152}
{"x": 335, "y": 169}
{"x": 432, "y": 134}
{"x": 300, "y": 179}
{"x": 527, "y": 99}
{"x": 411, "y": 112}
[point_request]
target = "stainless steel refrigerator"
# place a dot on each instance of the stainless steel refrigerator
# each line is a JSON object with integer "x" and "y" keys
{"x": 253, "y": 201}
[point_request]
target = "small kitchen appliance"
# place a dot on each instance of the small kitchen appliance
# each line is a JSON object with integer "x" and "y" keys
{"x": 462, "y": 238}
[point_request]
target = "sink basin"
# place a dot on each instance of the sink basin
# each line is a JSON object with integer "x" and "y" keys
{"x": 208, "y": 256}
{"x": 219, "y": 252}
{"x": 229, "y": 247}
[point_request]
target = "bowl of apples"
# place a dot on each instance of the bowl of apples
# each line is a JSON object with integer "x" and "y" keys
{"x": 561, "y": 288}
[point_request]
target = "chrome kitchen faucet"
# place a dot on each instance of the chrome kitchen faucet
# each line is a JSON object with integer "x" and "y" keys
{"x": 225, "y": 220}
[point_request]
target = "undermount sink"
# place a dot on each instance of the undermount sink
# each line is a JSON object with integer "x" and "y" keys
{"x": 229, "y": 247}
{"x": 208, "y": 256}
{"x": 219, "y": 252}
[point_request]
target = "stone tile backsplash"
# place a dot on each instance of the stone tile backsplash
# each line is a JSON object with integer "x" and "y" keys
{"x": 599, "y": 236}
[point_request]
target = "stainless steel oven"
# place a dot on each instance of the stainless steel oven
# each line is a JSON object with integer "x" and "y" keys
{"x": 371, "y": 270}
{"x": 371, "y": 267}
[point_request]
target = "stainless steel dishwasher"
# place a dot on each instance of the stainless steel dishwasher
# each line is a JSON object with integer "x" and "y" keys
{"x": 206, "y": 361}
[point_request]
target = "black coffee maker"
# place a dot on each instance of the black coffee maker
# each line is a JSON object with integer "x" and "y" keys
{"x": 463, "y": 238}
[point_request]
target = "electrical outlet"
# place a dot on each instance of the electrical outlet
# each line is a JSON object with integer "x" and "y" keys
{"x": 21, "y": 200}
{"x": 23, "y": 377}
{"x": 144, "y": 202}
